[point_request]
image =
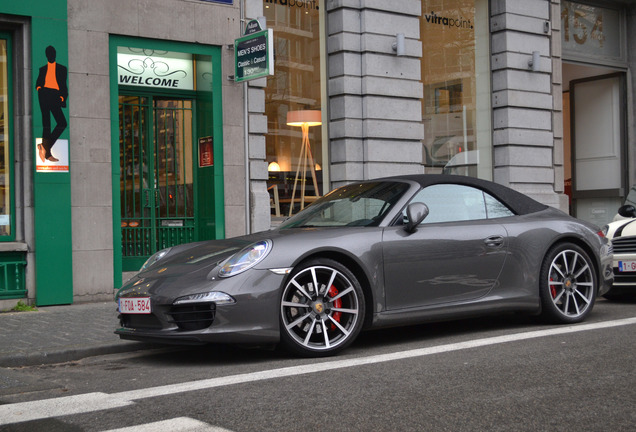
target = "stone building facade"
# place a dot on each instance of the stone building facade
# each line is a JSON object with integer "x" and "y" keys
{"x": 499, "y": 89}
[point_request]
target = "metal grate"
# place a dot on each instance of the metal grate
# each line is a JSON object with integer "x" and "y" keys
{"x": 12, "y": 275}
{"x": 624, "y": 278}
{"x": 140, "y": 321}
{"x": 624, "y": 245}
{"x": 193, "y": 317}
{"x": 156, "y": 180}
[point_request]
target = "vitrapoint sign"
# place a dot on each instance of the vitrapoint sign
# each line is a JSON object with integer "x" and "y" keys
{"x": 154, "y": 69}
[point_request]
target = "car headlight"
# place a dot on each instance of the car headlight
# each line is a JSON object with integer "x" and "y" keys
{"x": 154, "y": 258}
{"x": 245, "y": 259}
{"x": 605, "y": 230}
{"x": 217, "y": 297}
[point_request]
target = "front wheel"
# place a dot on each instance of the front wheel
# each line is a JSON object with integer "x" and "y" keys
{"x": 568, "y": 284}
{"x": 321, "y": 309}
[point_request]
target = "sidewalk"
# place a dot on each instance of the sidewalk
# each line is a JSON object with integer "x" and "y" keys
{"x": 57, "y": 334}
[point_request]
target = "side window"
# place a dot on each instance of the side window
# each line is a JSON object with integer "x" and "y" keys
{"x": 6, "y": 152}
{"x": 453, "y": 203}
{"x": 495, "y": 208}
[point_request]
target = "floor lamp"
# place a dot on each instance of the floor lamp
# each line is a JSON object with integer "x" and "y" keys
{"x": 305, "y": 119}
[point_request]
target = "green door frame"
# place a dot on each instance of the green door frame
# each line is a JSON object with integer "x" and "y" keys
{"x": 209, "y": 123}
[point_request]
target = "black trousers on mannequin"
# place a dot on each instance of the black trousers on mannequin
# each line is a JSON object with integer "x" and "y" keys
{"x": 51, "y": 104}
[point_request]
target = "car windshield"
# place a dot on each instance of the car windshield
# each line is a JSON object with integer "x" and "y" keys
{"x": 359, "y": 204}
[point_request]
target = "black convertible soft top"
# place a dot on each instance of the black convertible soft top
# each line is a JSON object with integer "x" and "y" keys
{"x": 517, "y": 202}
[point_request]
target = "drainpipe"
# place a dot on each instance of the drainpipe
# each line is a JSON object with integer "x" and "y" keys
{"x": 246, "y": 135}
{"x": 248, "y": 229}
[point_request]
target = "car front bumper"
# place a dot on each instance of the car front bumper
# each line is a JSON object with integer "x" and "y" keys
{"x": 252, "y": 319}
{"x": 624, "y": 279}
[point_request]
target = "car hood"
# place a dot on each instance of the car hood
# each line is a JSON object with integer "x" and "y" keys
{"x": 190, "y": 263}
{"x": 193, "y": 267}
{"x": 195, "y": 257}
{"x": 621, "y": 228}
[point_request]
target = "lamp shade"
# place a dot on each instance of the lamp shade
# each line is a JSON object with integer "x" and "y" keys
{"x": 301, "y": 117}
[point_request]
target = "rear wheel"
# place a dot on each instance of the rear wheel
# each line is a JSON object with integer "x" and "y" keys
{"x": 568, "y": 284}
{"x": 321, "y": 310}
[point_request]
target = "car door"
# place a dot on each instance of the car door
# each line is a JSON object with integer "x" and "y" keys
{"x": 455, "y": 255}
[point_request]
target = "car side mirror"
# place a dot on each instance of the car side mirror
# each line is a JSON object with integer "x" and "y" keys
{"x": 627, "y": 210}
{"x": 415, "y": 212}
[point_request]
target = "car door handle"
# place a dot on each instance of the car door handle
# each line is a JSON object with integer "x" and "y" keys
{"x": 494, "y": 241}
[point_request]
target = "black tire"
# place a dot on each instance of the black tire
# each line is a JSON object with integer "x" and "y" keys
{"x": 324, "y": 321}
{"x": 568, "y": 284}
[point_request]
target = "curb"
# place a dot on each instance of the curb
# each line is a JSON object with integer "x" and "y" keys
{"x": 63, "y": 355}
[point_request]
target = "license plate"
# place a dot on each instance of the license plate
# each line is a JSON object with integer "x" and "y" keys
{"x": 135, "y": 305}
{"x": 627, "y": 266}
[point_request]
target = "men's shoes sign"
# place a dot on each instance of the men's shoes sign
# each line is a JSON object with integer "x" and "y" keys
{"x": 254, "y": 53}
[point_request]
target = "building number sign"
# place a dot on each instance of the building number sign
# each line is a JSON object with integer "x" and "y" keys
{"x": 590, "y": 30}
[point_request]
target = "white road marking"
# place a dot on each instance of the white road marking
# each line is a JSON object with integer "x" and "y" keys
{"x": 49, "y": 408}
{"x": 179, "y": 424}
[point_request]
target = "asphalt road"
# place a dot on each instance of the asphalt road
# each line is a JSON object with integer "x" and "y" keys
{"x": 498, "y": 374}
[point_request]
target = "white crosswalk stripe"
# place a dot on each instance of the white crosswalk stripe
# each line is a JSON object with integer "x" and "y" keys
{"x": 179, "y": 424}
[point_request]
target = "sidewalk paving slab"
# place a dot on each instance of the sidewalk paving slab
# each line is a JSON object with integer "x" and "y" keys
{"x": 56, "y": 334}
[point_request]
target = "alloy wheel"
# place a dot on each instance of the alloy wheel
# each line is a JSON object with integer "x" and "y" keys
{"x": 571, "y": 283}
{"x": 321, "y": 309}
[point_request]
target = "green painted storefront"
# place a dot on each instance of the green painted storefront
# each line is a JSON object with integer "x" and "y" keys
{"x": 51, "y": 187}
{"x": 166, "y": 151}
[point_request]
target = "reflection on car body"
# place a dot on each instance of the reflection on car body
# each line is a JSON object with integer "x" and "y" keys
{"x": 463, "y": 279}
{"x": 385, "y": 252}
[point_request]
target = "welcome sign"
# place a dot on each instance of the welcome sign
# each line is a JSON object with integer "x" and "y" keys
{"x": 154, "y": 69}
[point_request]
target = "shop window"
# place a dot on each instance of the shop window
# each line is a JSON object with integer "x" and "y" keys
{"x": 12, "y": 264}
{"x": 294, "y": 108}
{"x": 6, "y": 188}
{"x": 455, "y": 74}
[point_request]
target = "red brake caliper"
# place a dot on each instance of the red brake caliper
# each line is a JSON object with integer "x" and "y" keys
{"x": 553, "y": 289}
{"x": 337, "y": 303}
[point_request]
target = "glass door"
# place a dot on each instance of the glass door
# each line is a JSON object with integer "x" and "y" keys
{"x": 157, "y": 179}
{"x": 598, "y": 186}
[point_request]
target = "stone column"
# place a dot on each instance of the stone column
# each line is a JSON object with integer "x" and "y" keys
{"x": 375, "y": 114}
{"x": 260, "y": 219}
{"x": 527, "y": 111}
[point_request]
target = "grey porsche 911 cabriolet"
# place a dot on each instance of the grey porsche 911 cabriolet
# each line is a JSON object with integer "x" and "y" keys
{"x": 378, "y": 253}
